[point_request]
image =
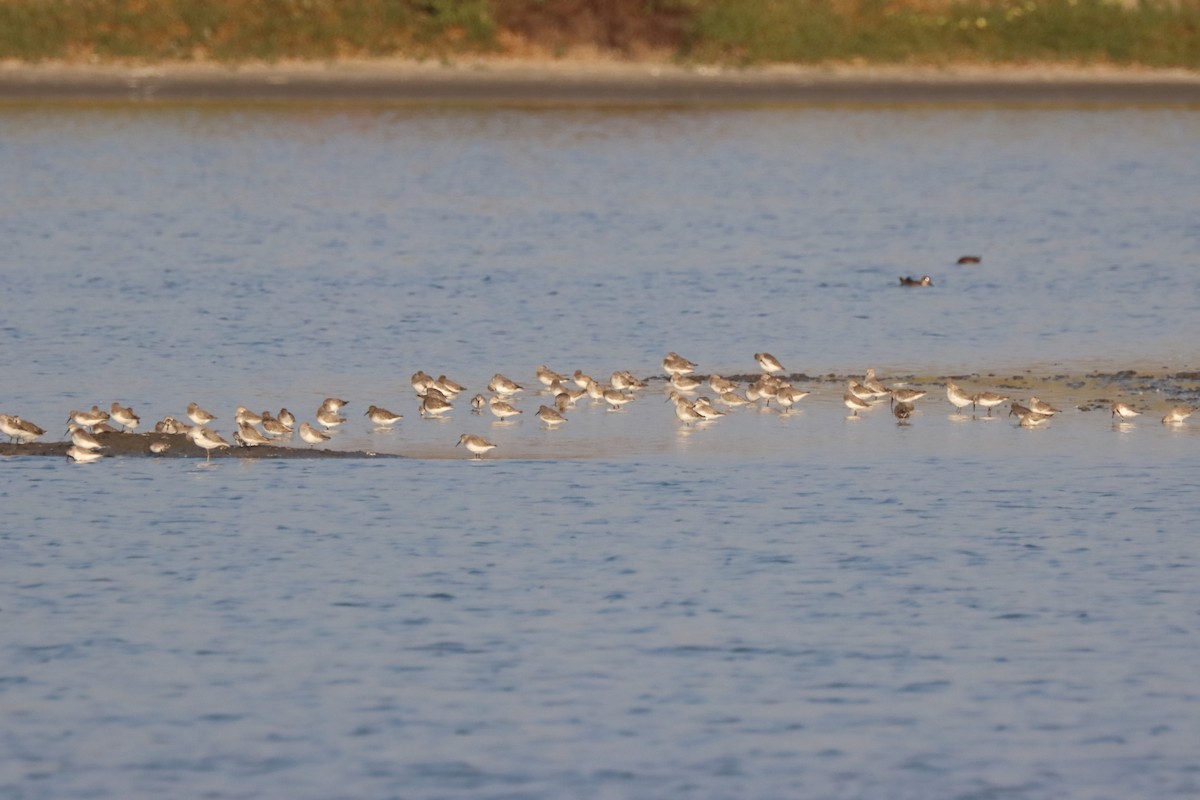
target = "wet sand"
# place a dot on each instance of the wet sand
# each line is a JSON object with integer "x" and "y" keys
{"x": 599, "y": 82}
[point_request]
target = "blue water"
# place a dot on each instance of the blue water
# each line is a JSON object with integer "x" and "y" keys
{"x": 803, "y": 606}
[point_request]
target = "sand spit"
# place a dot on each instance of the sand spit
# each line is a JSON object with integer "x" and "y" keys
{"x": 179, "y": 446}
{"x": 604, "y": 82}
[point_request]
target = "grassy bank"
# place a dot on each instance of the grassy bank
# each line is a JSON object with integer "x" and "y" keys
{"x": 1159, "y": 33}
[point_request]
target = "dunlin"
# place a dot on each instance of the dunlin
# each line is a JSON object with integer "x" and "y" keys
{"x": 19, "y": 430}
{"x": 1178, "y": 414}
{"x": 1041, "y": 407}
{"x": 769, "y": 363}
{"x": 382, "y": 417}
{"x": 433, "y": 405}
{"x": 549, "y": 416}
{"x": 684, "y": 410}
{"x": 957, "y": 397}
{"x": 1123, "y": 410}
{"x": 287, "y": 418}
{"x": 502, "y": 410}
{"x": 548, "y": 376}
{"x": 616, "y": 399}
{"x": 788, "y": 396}
{"x": 124, "y": 416}
{"x": 329, "y": 418}
{"x": 89, "y": 419}
{"x": 333, "y": 404}
{"x": 989, "y": 400}
{"x": 872, "y": 384}
{"x": 478, "y": 403}
{"x": 854, "y": 402}
{"x": 733, "y": 399}
{"x": 421, "y": 382}
{"x": 208, "y": 439}
{"x": 81, "y": 438}
{"x": 311, "y": 435}
{"x": 909, "y": 396}
{"x": 475, "y": 444}
{"x": 721, "y": 385}
{"x": 676, "y": 364}
{"x": 924, "y": 281}
{"x": 248, "y": 436}
{"x": 198, "y": 415}
{"x": 170, "y": 425}
{"x": 503, "y": 386}
{"x": 244, "y": 416}
{"x": 859, "y": 391}
{"x": 158, "y": 448}
{"x": 582, "y": 379}
{"x": 684, "y": 383}
{"x": 274, "y": 426}
{"x": 82, "y": 455}
{"x": 704, "y": 407}
{"x": 448, "y": 387}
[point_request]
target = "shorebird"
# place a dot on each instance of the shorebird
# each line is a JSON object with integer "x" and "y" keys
{"x": 287, "y": 418}
{"x": 124, "y": 416}
{"x": 502, "y": 410}
{"x": 81, "y": 438}
{"x": 89, "y": 419}
{"x": 475, "y": 444}
{"x": 769, "y": 363}
{"x": 854, "y": 402}
{"x": 720, "y": 385}
{"x": 733, "y": 399}
{"x": 329, "y": 418}
{"x": 549, "y": 416}
{"x": 248, "y": 436}
{"x": 924, "y": 281}
{"x": 684, "y": 383}
{"x": 382, "y": 417}
{"x": 19, "y": 430}
{"x": 789, "y": 396}
{"x": 274, "y": 426}
{"x": 208, "y": 439}
{"x": 988, "y": 400}
{"x": 1178, "y": 414}
{"x": 433, "y": 405}
{"x": 244, "y": 416}
{"x": 676, "y": 364}
{"x": 503, "y": 386}
{"x": 616, "y": 399}
{"x": 198, "y": 415}
{"x": 478, "y": 403}
{"x": 581, "y": 379}
{"x": 170, "y": 425}
{"x": 902, "y": 411}
{"x": 1123, "y": 410}
{"x": 907, "y": 396}
{"x": 421, "y": 381}
{"x": 1041, "y": 407}
{"x": 859, "y": 391}
{"x": 548, "y": 376}
{"x": 448, "y": 387}
{"x": 704, "y": 407}
{"x": 957, "y": 397}
{"x": 311, "y": 435}
{"x": 81, "y": 455}
{"x": 872, "y": 384}
{"x": 684, "y": 410}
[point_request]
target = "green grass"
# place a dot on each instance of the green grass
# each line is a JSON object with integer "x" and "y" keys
{"x": 1162, "y": 33}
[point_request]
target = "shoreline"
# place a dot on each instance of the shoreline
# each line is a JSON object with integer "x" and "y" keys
{"x": 591, "y": 82}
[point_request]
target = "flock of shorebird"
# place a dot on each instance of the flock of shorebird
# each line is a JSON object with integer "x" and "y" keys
{"x": 437, "y": 395}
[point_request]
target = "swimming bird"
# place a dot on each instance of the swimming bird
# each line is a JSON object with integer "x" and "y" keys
{"x": 903, "y": 411}
{"x": 1178, "y": 414}
{"x": 769, "y": 363}
{"x": 476, "y": 444}
{"x": 957, "y": 397}
{"x": 198, "y": 415}
{"x": 549, "y": 416}
{"x": 382, "y": 417}
{"x": 208, "y": 439}
{"x": 1123, "y": 410}
{"x": 311, "y": 435}
{"x": 124, "y": 416}
{"x": 969, "y": 259}
{"x": 675, "y": 364}
{"x": 988, "y": 400}
{"x": 924, "y": 281}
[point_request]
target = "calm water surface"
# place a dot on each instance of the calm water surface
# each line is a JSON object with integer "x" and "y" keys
{"x": 805, "y": 606}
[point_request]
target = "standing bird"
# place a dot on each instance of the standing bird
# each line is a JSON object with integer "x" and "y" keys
{"x": 311, "y": 435}
{"x": 475, "y": 444}
{"x": 769, "y": 363}
{"x": 198, "y": 415}
{"x": 550, "y": 417}
{"x": 1123, "y": 410}
{"x": 1178, "y": 414}
{"x": 208, "y": 439}
{"x": 676, "y": 364}
{"x": 124, "y": 416}
{"x": 382, "y": 417}
{"x": 957, "y": 397}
